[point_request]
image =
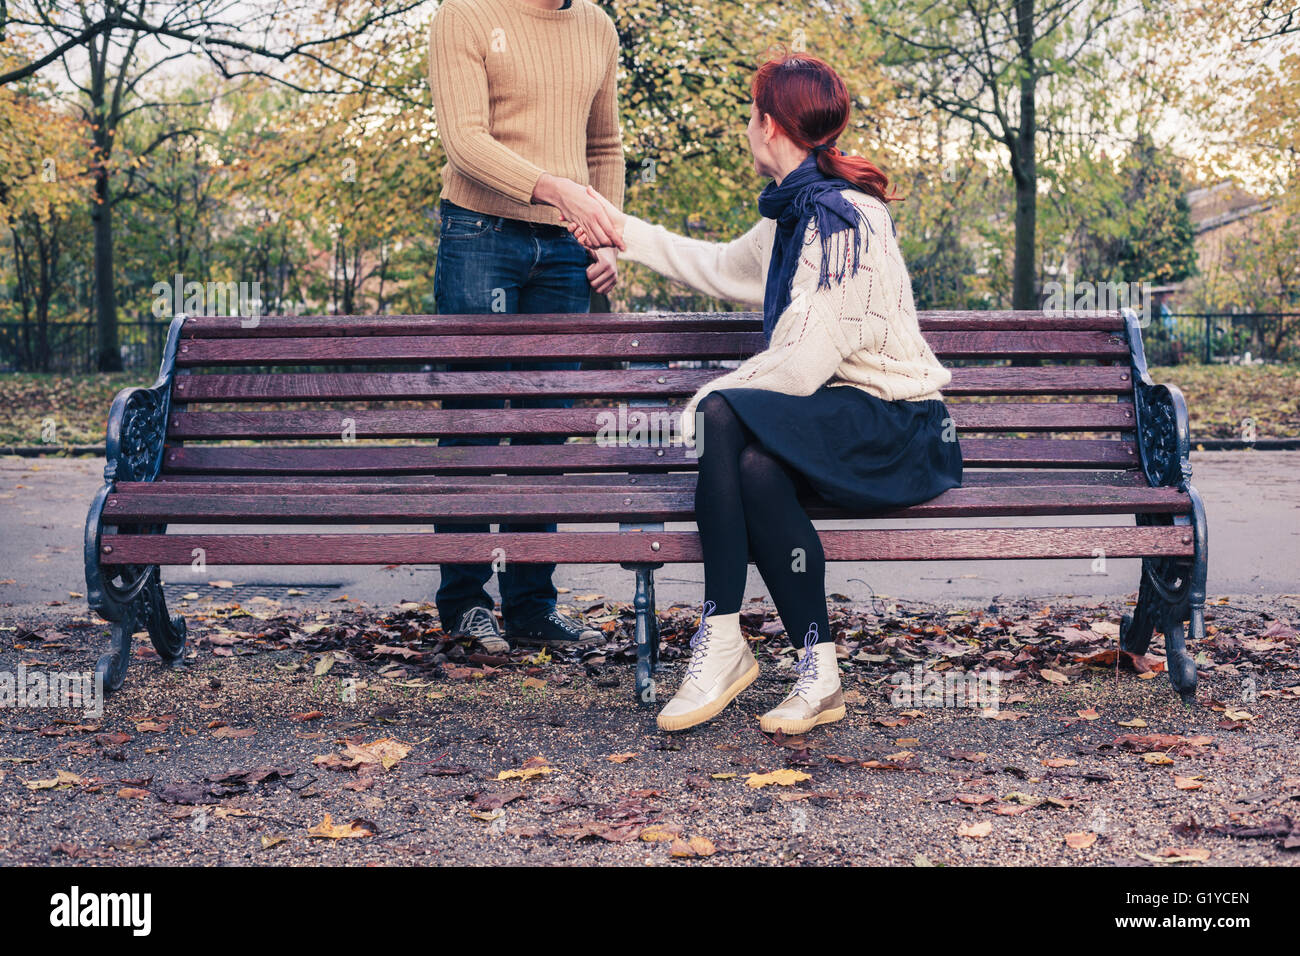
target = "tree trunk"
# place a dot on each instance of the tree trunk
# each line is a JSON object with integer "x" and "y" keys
{"x": 109, "y": 358}
{"x": 1024, "y": 169}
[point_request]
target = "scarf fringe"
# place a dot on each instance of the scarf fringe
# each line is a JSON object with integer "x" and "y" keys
{"x": 849, "y": 259}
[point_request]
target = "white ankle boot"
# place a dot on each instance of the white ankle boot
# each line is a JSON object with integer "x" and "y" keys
{"x": 722, "y": 665}
{"x": 816, "y": 698}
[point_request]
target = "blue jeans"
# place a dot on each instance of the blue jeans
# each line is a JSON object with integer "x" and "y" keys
{"x": 490, "y": 264}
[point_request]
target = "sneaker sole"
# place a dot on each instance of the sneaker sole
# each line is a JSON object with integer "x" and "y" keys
{"x": 578, "y": 645}
{"x": 770, "y": 725}
{"x": 712, "y": 709}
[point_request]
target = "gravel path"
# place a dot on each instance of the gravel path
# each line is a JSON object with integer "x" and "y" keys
{"x": 271, "y": 728}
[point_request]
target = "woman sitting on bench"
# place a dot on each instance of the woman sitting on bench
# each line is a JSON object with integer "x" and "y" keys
{"x": 843, "y": 404}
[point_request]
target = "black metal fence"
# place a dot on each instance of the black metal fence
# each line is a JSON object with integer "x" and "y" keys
{"x": 1221, "y": 336}
{"x": 1169, "y": 339}
{"x": 73, "y": 347}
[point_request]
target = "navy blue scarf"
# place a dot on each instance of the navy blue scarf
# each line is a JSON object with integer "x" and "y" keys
{"x": 805, "y": 194}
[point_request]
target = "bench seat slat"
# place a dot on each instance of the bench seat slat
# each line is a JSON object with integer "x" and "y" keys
{"x": 282, "y": 326}
{"x": 541, "y": 459}
{"x": 594, "y": 547}
{"x": 631, "y": 346}
{"x": 435, "y": 423}
{"x": 514, "y": 485}
{"x": 616, "y": 383}
{"x": 630, "y": 505}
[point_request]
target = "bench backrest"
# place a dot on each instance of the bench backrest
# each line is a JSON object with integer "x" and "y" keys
{"x": 351, "y": 396}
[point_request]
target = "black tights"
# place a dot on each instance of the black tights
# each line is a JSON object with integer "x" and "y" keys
{"x": 747, "y": 503}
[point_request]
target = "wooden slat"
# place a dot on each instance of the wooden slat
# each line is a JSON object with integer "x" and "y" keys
{"x": 430, "y": 484}
{"x": 640, "y": 383}
{"x": 629, "y": 346}
{"x": 352, "y": 350}
{"x": 419, "y": 484}
{"x": 559, "y": 483}
{"x": 281, "y": 326}
{"x": 435, "y": 423}
{"x": 403, "y": 386}
{"x": 1033, "y": 343}
{"x": 541, "y": 459}
{"x": 900, "y": 544}
{"x": 647, "y": 504}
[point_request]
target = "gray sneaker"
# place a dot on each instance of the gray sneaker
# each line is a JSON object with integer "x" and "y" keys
{"x": 480, "y": 625}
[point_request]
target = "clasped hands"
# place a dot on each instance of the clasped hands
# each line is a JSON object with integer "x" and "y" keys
{"x": 591, "y": 219}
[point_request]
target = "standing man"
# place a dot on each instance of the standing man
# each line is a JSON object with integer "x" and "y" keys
{"x": 526, "y": 101}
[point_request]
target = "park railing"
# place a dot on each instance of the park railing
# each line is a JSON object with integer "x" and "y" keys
{"x": 73, "y": 347}
{"x": 1221, "y": 336}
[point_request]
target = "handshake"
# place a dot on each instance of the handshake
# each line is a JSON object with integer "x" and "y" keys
{"x": 592, "y": 220}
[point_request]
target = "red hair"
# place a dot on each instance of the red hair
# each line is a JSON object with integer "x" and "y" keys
{"x": 810, "y": 104}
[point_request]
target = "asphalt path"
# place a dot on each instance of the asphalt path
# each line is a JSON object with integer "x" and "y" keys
{"x": 1252, "y": 499}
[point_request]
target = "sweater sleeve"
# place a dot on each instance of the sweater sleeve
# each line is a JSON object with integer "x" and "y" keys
{"x": 605, "y": 164}
{"x": 808, "y": 345}
{"x": 727, "y": 270}
{"x": 458, "y": 78}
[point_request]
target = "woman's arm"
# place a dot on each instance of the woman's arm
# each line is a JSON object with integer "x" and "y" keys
{"x": 727, "y": 270}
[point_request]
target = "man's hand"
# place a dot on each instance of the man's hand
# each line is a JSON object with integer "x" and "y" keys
{"x": 616, "y": 218}
{"x": 603, "y": 273}
{"x": 579, "y": 207}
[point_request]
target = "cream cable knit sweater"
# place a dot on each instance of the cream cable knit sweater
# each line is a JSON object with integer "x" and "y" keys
{"x": 860, "y": 332}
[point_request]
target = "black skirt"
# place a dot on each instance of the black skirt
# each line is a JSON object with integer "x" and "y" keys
{"x": 856, "y": 451}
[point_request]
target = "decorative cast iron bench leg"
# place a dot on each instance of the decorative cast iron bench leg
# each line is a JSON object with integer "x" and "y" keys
{"x": 130, "y": 597}
{"x": 655, "y": 666}
{"x": 1172, "y": 591}
{"x": 646, "y": 632}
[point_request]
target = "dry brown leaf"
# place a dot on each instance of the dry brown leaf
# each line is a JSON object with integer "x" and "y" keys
{"x": 63, "y": 778}
{"x": 353, "y": 829}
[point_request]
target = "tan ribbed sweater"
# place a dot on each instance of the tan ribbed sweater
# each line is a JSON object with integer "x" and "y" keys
{"x": 519, "y": 91}
{"x": 861, "y": 332}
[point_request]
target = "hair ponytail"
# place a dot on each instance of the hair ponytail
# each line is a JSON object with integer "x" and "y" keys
{"x": 810, "y": 103}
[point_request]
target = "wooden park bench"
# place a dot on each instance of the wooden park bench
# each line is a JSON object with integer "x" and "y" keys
{"x": 1079, "y": 431}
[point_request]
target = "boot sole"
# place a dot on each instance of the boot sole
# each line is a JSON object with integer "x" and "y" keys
{"x": 710, "y": 710}
{"x": 770, "y": 725}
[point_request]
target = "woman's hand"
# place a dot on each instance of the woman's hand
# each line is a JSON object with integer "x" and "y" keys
{"x": 616, "y": 219}
{"x": 585, "y": 209}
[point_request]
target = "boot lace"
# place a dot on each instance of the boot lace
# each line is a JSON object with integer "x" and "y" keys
{"x": 806, "y": 667}
{"x": 700, "y": 642}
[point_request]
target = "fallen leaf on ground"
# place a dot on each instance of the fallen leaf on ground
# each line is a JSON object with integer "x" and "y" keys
{"x": 533, "y": 767}
{"x": 353, "y": 829}
{"x": 975, "y": 831}
{"x": 64, "y": 778}
{"x": 783, "y": 778}
{"x": 1175, "y": 855}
